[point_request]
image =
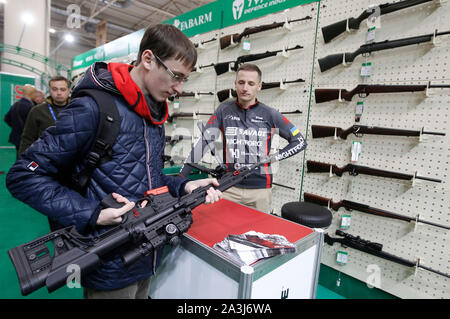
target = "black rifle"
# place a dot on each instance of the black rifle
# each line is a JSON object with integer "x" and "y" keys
{"x": 220, "y": 170}
{"x": 227, "y": 40}
{"x": 349, "y": 205}
{"x": 354, "y": 170}
{"x": 227, "y": 93}
{"x": 183, "y": 114}
{"x": 204, "y": 42}
{"x": 162, "y": 221}
{"x": 194, "y": 69}
{"x": 363, "y": 90}
{"x": 331, "y": 31}
{"x": 319, "y": 131}
{"x": 333, "y": 60}
{"x": 375, "y": 249}
{"x": 190, "y": 94}
{"x": 223, "y": 67}
{"x": 172, "y": 140}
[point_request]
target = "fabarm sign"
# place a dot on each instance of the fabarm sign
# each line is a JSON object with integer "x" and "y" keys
{"x": 200, "y": 20}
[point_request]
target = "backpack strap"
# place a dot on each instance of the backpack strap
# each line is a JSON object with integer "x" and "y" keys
{"x": 107, "y": 131}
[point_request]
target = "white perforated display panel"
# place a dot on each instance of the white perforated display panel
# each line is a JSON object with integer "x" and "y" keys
{"x": 428, "y": 156}
{"x": 416, "y": 64}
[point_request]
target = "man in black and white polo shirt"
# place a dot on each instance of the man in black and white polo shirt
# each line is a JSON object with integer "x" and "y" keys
{"x": 247, "y": 127}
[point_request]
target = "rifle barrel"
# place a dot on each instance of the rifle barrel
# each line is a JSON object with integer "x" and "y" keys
{"x": 433, "y": 133}
{"x": 429, "y": 179}
{"x": 439, "y": 86}
{"x": 433, "y": 270}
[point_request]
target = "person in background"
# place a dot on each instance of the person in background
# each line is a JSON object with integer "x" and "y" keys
{"x": 18, "y": 113}
{"x": 39, "y": 97}
{"x": 44, "y": 115}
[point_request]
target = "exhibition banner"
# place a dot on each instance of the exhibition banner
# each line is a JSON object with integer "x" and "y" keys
{"x": 203, "y": 19}
{"x": 237, "y": 11}
{"x": 120, "y": 47}
{"x": 212, "y": 16}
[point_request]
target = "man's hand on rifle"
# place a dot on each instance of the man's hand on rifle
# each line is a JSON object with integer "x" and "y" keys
{"x": 212, "y": 195}
{"x": 113, "y": 216}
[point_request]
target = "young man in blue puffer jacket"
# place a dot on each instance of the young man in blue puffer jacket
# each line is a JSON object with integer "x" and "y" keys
{"x": 166, "y": 57}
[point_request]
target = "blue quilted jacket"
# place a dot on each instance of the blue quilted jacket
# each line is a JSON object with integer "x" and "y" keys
{"x": 136, "y": 167}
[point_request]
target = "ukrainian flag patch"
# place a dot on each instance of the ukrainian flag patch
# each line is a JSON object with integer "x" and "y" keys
{"x": 294, "y": 131}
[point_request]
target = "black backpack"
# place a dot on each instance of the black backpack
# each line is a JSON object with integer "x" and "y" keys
{"x": 107, "y": 131}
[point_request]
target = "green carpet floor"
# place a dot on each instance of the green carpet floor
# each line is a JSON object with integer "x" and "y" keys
{"x": 20, "y": 224}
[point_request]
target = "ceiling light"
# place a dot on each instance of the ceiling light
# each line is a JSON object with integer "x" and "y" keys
{"x": 69, "y": 38}
{"x": 51, "y": 30}
{"x": 27, "y": 18}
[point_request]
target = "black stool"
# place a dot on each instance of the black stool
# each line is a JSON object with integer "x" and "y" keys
{"x": 307, "y": 214}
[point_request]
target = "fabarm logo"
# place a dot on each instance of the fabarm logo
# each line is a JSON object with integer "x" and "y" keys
{"x": 238, "y": 8}
{"x": 193, "y": 22}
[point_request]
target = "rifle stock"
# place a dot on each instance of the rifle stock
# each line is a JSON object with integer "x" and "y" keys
{"x": 331, "y": 31}
{"x": 222, "y": 67}
{"x": 319, "y": 131}
{"x": 225, "y": 41}
{"x": 322, "y": 201}
{"x": 332, "y": 60}
{"x": 222, "y": 95}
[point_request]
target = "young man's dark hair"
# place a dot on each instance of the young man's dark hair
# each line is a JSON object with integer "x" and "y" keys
{"x": 166, "y": 41}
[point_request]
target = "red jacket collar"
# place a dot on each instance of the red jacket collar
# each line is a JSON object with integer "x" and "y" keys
{"x": 131, "y": 91}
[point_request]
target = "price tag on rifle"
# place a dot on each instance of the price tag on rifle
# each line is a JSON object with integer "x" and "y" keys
{"x": 370, "y": 37}
{"x": 356, "y": 150}
{"x": 366, "y": 69}
{"x": 342, "y": 257}
{"x": 359, "y": 111}
{"x": 176, "y": 104}
{"x": 346, "y": 221}
{"x": 246, "y": 45}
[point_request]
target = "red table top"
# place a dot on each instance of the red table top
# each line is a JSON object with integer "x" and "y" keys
{"x": 214, "y": 222}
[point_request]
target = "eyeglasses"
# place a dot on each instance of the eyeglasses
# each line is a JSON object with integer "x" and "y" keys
{"x": 175, "y": 78}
